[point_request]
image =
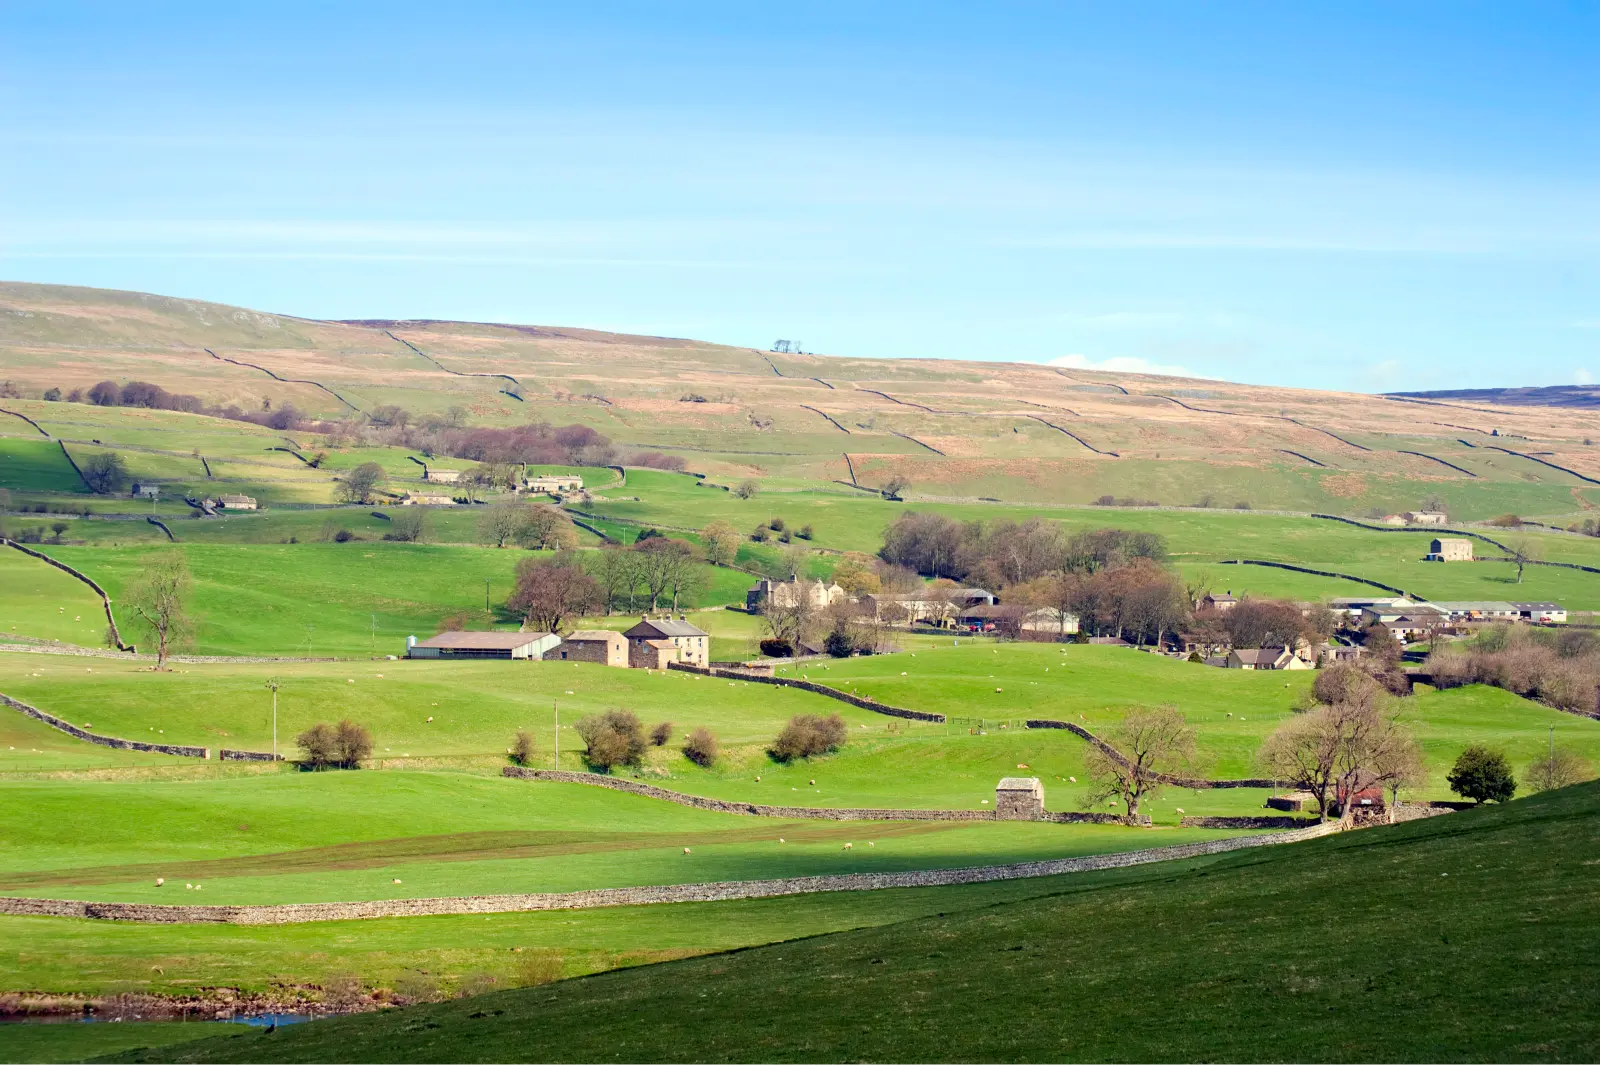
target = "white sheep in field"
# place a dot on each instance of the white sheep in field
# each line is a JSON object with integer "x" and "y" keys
{"x": 849, "y": 846}
{"x": 686, "y": 850}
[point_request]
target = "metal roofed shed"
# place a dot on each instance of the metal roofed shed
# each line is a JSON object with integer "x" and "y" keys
{"x": 525, "y": 645}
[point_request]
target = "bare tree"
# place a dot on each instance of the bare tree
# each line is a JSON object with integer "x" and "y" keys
{"x": 894, "y": 486}
{"x": 616, "y": 570}
{"x": 1522, "y": 551}
{"x": 105, "y": 472}
{"x": 550, "y": 590}
{"x": 662, "y": 563}
{"x": 720, "y": 541}
{"x": 409, "y": 525}
{"x": 548, "y": 528}
{"x": 789, "y": 618}
{"x": 1559, "y": 768}
{"x": 157, "y": 598}
{"x": 1150, "y": 742}
{"x": 503, "y": 522}
{"x": 358, "y": 485}
{"x": 747, "y": 489}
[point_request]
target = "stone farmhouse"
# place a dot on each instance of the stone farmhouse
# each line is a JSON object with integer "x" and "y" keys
{"x": 441, "y": 476}
{"x": 1449, "y": 549}
{"x": 1428, "y": 517}
{"x": 554, "y": 484}
{"x": 427, "y": 499}
{"x": 237, "y": 502}
{"x": 1220, "y": 602}
{"x": 1002, "y": 618}
{"x": 147, "y": 491}
{"x": 648, "y": 642}
{"x": 785, "y": 594}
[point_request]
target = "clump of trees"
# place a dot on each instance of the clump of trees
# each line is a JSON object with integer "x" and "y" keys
{"x": 657, "y": 460}
{"x": 1560, "y": 667}
{"x": 1351, "y": 740}
{"x": 341, "y": 746}
{"x": 613, "y": 738}
{"x": 359, "y": 484}
{"x": 158, "y": 598}
{"x": 661, "y": 734}
{"x": 649, "y": 571}
{"x": 1482, "y": 775}
{"x": 537, "y": 443}
{"x": 701, "y": 747}
{"x": 808, "y": 735}
{"x": 536, "y": 526}
{"x": 409, "y": 526}
{"x": 1150, "y": 744}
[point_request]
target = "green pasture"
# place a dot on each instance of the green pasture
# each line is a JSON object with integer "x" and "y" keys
{"x": 308, "y": 837}
{"x": 1467, "y": 937}
{"x": 68, "y": 1039}
{"x": 34, "y": 464}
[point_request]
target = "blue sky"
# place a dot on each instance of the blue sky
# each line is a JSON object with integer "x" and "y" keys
{"x": 1333, "y": 195}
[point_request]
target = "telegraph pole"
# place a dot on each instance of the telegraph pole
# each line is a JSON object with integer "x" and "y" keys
{"x": 554, "y": 705}
{"x": 272, "y": 683}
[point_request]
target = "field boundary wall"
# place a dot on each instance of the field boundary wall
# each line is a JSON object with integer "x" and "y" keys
{"x": 104, "y": 741}
{"x": 603, "y": 897}
{"x": 1322, "y": 573}
{"x": 809, "y": 813}
{"x": 105, "y": 599}
{"x": 30, "y": 421}
{"x": 812, "y": 686}
{"x": 1197, "y": 783}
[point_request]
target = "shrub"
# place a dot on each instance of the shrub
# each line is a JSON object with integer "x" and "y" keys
{"x": 1482, "y": 775}
{"x": 701, "y": 747}
{"x": 352, "y": 743}
{"x": 839, "y": 644}
{"x": 1106, "y": 501}
{"x": 807, "y": 735}
{"x": 806, "y": 532}
{"x": 523, "y": 749}
{"x": 1507, "y": 521}
{"x": 772, "y": 648}
{"x": 317, "y": 745}
{"x": 661, "y": 734}
{"x": 343, "y": 745}
{"x": 343, "y": 536}
{"x": 1558, "y": 769}
{"x": 612, "y": 738}
{"x": 775, "y": 524}
{"x": 52, "y": 395}
{"x": 747, "y": 489}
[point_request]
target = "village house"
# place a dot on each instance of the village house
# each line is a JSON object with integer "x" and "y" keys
{"x": 601, "y": 646}
{"x": 438, "y": 476}
{"x": 692, "y": 643}
{"x": 1002, "y": 618}
{"x": 785, "y": 594}
{"x": 1221, "y": 602}
{"x": 553, "y": 484}
{"x": 236, "y": 502}
{"x": 1449, "y": 549}
{"x": 909, "y": 608}
{"x": 1260, "y": 658}
{"x": 524, "y": 645}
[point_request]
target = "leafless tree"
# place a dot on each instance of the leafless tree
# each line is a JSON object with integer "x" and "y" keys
{"x": 1559, "y": 768}
{"x": 1150, "y": 742}
{"x": 616, "y": 570}
{"x": 662, "y": 563}
{"x": 158, "y": 599}
{"x": 894, "y": 486}
{"x": 358, "y": 485}
{"x": 550, "y": 590}
{"x": 548, "y": 528}
{"x": 747, "y": 489}
{"x": 1522, "y": 552}
{"x": 790, "y": 618}
{"x": 503, "y": 522}
{"x": 721, "y": 542}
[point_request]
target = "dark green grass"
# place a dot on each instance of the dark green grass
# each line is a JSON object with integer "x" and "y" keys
{"x": 75, "y": 1041}
{"x": 1463, "y": 938}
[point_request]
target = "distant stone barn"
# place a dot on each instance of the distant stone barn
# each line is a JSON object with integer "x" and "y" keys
{"x": 1019, "y": 799}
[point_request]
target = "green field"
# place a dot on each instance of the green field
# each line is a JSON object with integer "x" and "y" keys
{"x": 1476, "y": 932}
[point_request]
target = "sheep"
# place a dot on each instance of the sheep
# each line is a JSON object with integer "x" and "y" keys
{"x": 849, "y": 846}
{"x": 160, "y": 880}
{"x": 397, "y": 880}
{"x": 686, "y": 850}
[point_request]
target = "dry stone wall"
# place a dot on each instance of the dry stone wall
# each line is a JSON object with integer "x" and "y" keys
{"x": 640, "y": 896}
{"x": 103, "y": 741}
{"x": 105, "y": 600}
{"x": 1165, "y": 778}
{"x": 811, "y": 686}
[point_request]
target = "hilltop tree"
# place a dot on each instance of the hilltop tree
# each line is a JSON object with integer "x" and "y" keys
{"x": 1522, "y": 552}
{"x": 157, "y": 598}
{"x": 1559, "y": 768}
{"x": 550, "y": 590}
{"x": 105, "y": 472}
{"x": 547, "y": 528}
{"x": 1149, "y": 743}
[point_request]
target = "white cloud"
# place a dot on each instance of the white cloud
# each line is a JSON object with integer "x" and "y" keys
{"x": 1121, "y": 364}
{"x": 1581, "y": 376}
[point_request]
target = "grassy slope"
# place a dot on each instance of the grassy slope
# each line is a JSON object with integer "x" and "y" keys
{"x": 277, "y": 839}
{"x": 1469, "y": 937}
{"x": 70, "y": 1041}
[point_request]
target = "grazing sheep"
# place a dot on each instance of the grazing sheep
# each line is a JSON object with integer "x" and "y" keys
{"x": 160, "y": 880}
{"x": 849, "y": 846}
{"x": 397, "y": 880}
{"x": 686, "y": 850}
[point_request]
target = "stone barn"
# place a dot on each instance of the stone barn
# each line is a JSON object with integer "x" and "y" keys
{"x": 1449, "y": 549}
{"x": 1019, "y": 799}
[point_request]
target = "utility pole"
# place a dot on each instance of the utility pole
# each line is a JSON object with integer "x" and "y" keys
{"x": 272, "y": 683}
{"x": 486, "y": 593}
{"x": 374, "y": 633}
{"x": 554, "y": 705}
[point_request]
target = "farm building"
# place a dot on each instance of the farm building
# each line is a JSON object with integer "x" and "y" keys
{"x": 527, "y": 645}
{"x": 1449, "y": 549}
{"x": 787, "y": 593}
{"x": 1479, "y": 610}
{"x": 554, "y": 485}
{"x": 692, "y": 642}
{"x": 1220, "y": 602}
{"x": 147, "y": 491}
{"x": 1428, "y": 517}
{"x": 1354, "y": 605}
{"x": 909, "y": 608}
{"x": 1363, "y": 793}
{"x": 427, "y": 499}
{"x": 237, "y": 502}
{"x": 594, "y": 645}
{"x": 441, "y": 476}
{"x": 1392, "y": 519}
{"x": 1011, "y": 620}
{"x": 1545, "y": 612}
{"x": 965, "y": 597}
{"x": 1019, "y": 799}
